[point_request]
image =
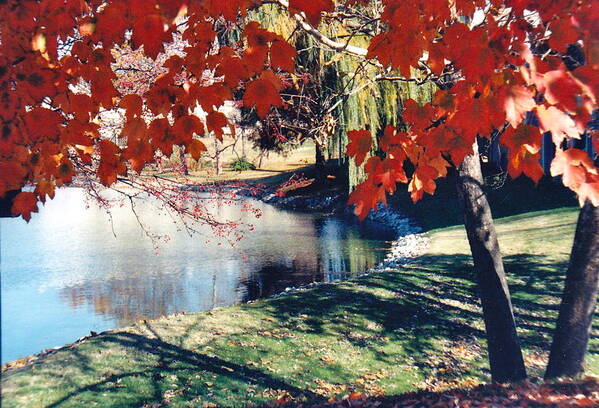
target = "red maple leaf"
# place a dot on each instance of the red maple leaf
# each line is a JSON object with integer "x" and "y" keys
{"x": 162, "y": 136}
{"x": 138, "y": 150}
{"x": 576, "y": 168}
{"x": 525, "y": 136}
{"x": 185, "y": 127}
{"x": 195, "y": 148}
{"x": 423, "y": 180}
{"x": 366, "y": 197}
{"x": 24, "y": 204}
{"x": 215, "y": 122}
{"x": 282, "y": 55}
{"x": 132, "y": 104}
{"x": 148, "y": 30}
{"x": 263, "y": 93}
{"x": 559, "y": 123}
{"x": 360, "y": 143}
{"x": 312, "y": 8}
{"x": 523, "y": 161}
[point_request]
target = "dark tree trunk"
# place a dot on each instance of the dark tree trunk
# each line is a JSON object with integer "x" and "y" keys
{"x": 320, "y": 162}
{"x": 6, "y": 203}
{"x": 184, "y": 168}
{"x": 505, "y": 355}
{"x": 576, "y": 311}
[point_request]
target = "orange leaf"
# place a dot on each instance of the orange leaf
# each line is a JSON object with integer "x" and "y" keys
{"x": 24, "y": 204}
{"x": 516, "y": 103}
{"x": 366, "y": 196}
{"x": 423, "y": 180}
{"x": 65, "y": 172}
{"x": 525, "y": 136}
{"x": 44, "y": 188}
{"x": 525, "y": 162}
{"x": 195, "y": 148}
{"x": 356, "y": 396}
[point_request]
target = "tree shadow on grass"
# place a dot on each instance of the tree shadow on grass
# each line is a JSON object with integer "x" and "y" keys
{"x": 172, "y": 363}
{"x": 433, "y": 299}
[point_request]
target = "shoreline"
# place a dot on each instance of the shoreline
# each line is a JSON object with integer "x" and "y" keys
{"x": 410, "y": 243}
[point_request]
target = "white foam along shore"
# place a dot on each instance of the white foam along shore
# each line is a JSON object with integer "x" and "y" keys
{"x": 410, "y": 242}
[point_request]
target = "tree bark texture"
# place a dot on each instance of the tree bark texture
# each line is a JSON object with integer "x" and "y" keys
{"x": 505, "y": 355}
{"x": 575, "y": 320}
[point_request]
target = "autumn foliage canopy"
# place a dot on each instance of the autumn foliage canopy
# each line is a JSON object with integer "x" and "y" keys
{"x": 505, "y": 62}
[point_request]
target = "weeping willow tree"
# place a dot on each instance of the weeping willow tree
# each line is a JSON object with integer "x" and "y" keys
{"x": 347, "y": 95}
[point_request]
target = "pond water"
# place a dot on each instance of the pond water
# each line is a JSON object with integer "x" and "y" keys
{"x": 71, "y": 270}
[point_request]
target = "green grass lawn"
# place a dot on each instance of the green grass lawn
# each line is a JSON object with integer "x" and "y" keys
{"x": 418, "y": 327}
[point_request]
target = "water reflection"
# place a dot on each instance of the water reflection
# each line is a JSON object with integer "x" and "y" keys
{"x": 66, "y": 273}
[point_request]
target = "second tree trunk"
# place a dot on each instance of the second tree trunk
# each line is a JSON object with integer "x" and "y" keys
{"x": 505, "y": 355}
{"x": 578, "y": 301}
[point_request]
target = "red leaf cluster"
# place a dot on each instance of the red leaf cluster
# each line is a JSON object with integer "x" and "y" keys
{"x": 54, "y": 87}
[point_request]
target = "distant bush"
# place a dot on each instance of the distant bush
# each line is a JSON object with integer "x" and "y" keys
{"x": 242, "y": 164}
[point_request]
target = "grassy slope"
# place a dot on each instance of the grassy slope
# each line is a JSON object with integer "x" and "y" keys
{"x": 392, "y": 332}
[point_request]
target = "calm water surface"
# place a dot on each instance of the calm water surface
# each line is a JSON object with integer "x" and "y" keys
{"x": 66, "y": 273}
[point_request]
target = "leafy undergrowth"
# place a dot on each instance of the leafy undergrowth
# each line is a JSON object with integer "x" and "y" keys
{"x": 389, "y": 333}
{"x": 563, "y": 394}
